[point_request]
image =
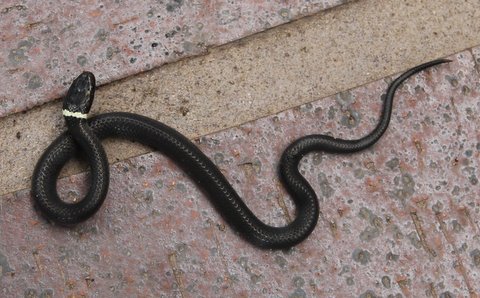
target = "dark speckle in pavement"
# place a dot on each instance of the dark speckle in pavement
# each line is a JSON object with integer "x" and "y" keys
{"x": 9, "y": 9}
{"x": 227, "y": 16}
{"x": 47, "y": 293}
{"x": 452, "y": 80}
{"x": 171, "y": 33}
{"x": 174, "y": 5}
{"x": 82, "y": 60}
{"x": 368, "y": 294}
{"x": 306, "y": 107}
{"x": 30, "y": 293}
{"x": 406, "y": 187}
{"x": 18, "y": 55}
{"x": 298, "y": 293}
{"x": 447, "y": 294}
{"x": 34, "y": 82}
{"x": 331, "y": 113}
{"x": 376, "y": 225}
{"x": 188, "y": 46}
{"x": 111, "y": 52}
{"x": 437, "y": 207}
{"x": 358, "y": 173}
{"x": 285, "y": 13}
{"x": 361, "y": 256}
{"x": 181, "y": 187}
{"x": 351, "y": 118}
{"x": 386, "y": 282}
{"x": 413, "y": 237}
{"x": 326, "y": 190}
{"x": 65, "y": 255}
{"x": 456, "y": 190}
{"x": 374, "y": 220}
{"x": 365, "y": 213}
{"x": 350, "y": 281}
{"x": 369, "y": 234}
{"x": 317, "y": 158}
{"x": 392, "y": 257}
{"x": 345, "y": 99}
{"x": 218, "y": 158}
{"x": 159, "y": 184}
{"x": 4, "y": 266}
{"x": 182, "y": 252}
{"x": 281, "y": 261}
{"x": 470, "y": 172}
{"x": 298, "y": 281}
{"x": 101, "y": 34}
{"x": 475, "y": 255}
{"x": 150, "y": 13}
{"x": 148, "y": 196}
{"x": 244, "y": 263}
{"x": 393, "y": 164}
{"x": 456, "y": 226}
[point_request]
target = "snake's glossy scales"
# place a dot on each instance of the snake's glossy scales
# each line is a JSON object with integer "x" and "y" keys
{"x": 86, "y": 134}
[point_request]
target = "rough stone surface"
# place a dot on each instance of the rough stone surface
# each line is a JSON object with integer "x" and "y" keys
{"x": 287, "y": 66}
{"x": 401, "y": 219}
{"x": 45, "y": 44}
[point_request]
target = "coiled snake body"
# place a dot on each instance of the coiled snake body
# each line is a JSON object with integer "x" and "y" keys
{"x": 85, "y": 135}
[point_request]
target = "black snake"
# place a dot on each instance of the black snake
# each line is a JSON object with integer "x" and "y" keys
{"x": 85, "y": 135}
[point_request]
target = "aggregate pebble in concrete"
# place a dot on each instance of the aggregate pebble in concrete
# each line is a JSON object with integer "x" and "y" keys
{"x": 59, "y": 39}
{"x": 401, "y": 219}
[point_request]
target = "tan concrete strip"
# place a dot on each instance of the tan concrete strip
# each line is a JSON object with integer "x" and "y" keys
{"x": 260, "y": 75}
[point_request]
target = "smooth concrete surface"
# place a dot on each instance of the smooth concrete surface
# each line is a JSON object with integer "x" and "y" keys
{"x": 269, "y": 72}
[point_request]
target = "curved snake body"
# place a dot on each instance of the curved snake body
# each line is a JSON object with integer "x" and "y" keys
{"x": 85, "y": 135}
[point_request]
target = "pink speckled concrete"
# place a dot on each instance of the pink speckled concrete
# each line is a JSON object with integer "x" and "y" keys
{"x": 399, "y": 220}
{"x": 59, "y": 39}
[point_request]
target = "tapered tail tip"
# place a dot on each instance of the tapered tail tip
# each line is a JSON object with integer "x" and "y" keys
{"x": 445, "y": 60}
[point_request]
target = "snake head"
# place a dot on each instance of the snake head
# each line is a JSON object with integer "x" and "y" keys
{"x": 79, "y": 97}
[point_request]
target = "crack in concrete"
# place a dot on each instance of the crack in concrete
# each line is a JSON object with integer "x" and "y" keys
{"x": 433, "y": 292}
{"x": 228, "y": 275}
{"x": 459, "y": 262}
{"x": 172, "y": 260}
{"x": 421, "y": 234}
{"x": 475, "y": 225}
{"x": 13, "y": 7}
{"x": 475, "y": 62}
{"x": 283, "y": 206}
